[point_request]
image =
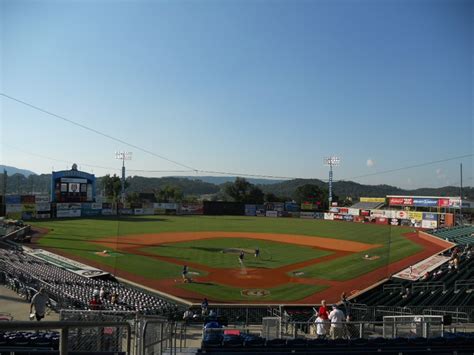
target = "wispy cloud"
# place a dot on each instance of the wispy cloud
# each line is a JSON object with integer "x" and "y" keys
{"x": 370, "y": 163}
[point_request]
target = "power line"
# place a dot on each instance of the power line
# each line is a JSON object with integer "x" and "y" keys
{"x": 409, "y": 167}
{"x": 95, "y": 131}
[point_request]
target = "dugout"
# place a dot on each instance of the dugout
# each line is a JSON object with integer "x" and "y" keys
{"x": 216, "y": 208}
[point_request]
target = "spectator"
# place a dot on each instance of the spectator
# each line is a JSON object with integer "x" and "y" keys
{"x": 407, "y": 293}
{"x": 320, "y": 327}
{"x": 346, "y": 304}
{"x": 426, "y": 276}
{"x": 102, "y": 293}
{"x": 324, "y": 314}
{"x": 95, "y": 303}
{"x": 39, "y": 301}
{"x": 352, "y": 332}
{"x": 337, "y": 327}
{"x": 204, "y": 306}
{"x": 188, "y": 315}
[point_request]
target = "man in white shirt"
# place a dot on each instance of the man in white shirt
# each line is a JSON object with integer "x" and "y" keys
{"x": 337, "y": 327}
{"x": 39, "y": 301}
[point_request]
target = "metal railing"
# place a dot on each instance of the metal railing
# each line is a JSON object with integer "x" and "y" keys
{"x": 66, "y": 327}
{"x": 428, "y": 286}
{"x": 463, "y": 283}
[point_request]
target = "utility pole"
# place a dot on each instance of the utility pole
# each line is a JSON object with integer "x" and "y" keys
{"x": 460, "y": 192}
{"x": 331, "y": 161}
{"x": 123, "y": 156}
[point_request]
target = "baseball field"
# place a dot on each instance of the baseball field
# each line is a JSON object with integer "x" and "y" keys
{"x": 299, "y": 260}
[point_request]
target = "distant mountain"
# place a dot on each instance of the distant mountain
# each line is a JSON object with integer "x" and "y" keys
{"x": 218, "y": 180}
{"x": 11, "y": 170}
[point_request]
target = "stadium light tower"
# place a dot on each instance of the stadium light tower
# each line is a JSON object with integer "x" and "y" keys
{"x": 123, "y": 156}
{"x": 331, "y": 161}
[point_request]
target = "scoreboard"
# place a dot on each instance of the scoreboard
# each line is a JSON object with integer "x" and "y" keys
{"x": 72, "y": 186}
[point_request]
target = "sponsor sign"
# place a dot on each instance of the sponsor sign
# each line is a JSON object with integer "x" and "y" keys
{"x": 417, "y": 216}
{"x": 68, "y": 206}
{"x": 42, "y": 199}
{"x": 381, "y": 220}
{"x": 353, "y": 211}
{"x": 250, "y": 210}
{"x": 425, "y": 202}
{"x": 401, "y": 214}
{"x": 191, "y": 208}
{"x": 307, "y": 215}
{"x": 43, "y": 215}
{"x": 91, "y": 213}
{"x": 429, "y": 224}
{"x": 138, "y": 211}
{"x": 358, "y": 219}
{"x": 348, "y": 217}
{"x": 405, "y": 222}
{"x": 275, "y": 206}
{"x": 27, "y": 199}
{"x": 292, "y": 207}
{"x": 377, "y": 213}
{"x": 68, "y": 213}
{"x": 271, "y": 214}
{"x": 329, "y": 216}
{"x": 43, "y": 206}
{"x": 338, "y": 217}
{"x": 89, "y": 194}
{"x": 365, "y": 212}
{"x": 443, "y": 202}
{"x": 416, "y": 271}
{"x": 65, "y": 263}
{"x": 27, "y": 215}
{"x": 10, "y": 208}
{"x": 343, "y": 210}
{"x": 430, "y": 216}
{"x": 159, "y": 211}
{"x": 307, "y": 206}
{"x": 12, "y": 199}
{"x": 74, "y": 181}
{"x": 334, "y": 210}
{"x": 108, "y": 212}
{"x": 148, "y": 211}
{"x": 454, "y": 202}
{"x": 318, "y": 215}
{"x": 126, "y": 211}
{"x": 96, "y": 206}
{"x": 372, "y": 199}
{"x": 400, "y": 201}
{"x": 394, "y": 221}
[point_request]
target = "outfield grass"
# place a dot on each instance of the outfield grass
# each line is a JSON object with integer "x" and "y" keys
{"x": 75, "y": 236}
{"x": 209, "y": 252}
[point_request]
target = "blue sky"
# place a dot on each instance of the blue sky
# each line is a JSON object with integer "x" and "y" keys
{"x": 263, "y": 87}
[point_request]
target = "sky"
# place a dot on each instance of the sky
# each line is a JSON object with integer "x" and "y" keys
{"x": 265, "y": 87}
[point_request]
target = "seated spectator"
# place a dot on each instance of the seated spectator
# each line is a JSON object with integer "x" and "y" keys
{"x": 95, "y": 303}
{"x": 426, "y": 276}
{"x": 407, "y": 293}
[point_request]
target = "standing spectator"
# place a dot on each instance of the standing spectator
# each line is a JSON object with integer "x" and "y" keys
{"x": 204, "y": 306}
{"x": 352, "y": 332}
{"x": 39, "y": 301}
{"x": 102, "y": 293}
{"x": 346, "y": 304}
{"x": 337, "y": 327}
{"x": 320, "y": 327}
{"x": 188, "y": 315}
{"x": 324, "y": 315}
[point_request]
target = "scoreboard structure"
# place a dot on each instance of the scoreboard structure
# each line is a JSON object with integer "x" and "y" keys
{"x": 72, "y": 186}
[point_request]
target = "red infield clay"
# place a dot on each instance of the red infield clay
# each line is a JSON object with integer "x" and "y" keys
{"x": 260, "y": 278}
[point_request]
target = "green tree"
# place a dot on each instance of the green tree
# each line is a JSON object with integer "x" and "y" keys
{"x": 133, "y": 197}
{"x": 169, "y": 194}
{"x": 112, "y": 186}
{"x": 312, "y": 193}
{"x": 243, "y": 191}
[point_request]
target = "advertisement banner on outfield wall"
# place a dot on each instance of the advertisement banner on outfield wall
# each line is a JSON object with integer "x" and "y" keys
{"x": 138, "y": 211}
{"x": 148, "y": 211}
{"x": 417, "y": 216}
{"x": 292, "y": 207}
{"x": 318, "y": 215}
{"x": 381, "y": 220}
{"x": 343, "y": 210}
{"x": 250, "y": 210}
{"x": 400, "y": 201}
{"x": 353, "y": 211}
{"x": 68, "y": 213}
{"x": 13, "y": 199}
{"x": 365, "y": 212}
{"x": 43, "y": 206}
{"x": 329, "y": 216}
{"x": 13, "y": 208}
{"x": 429, "y": 224}
{"x": 430, "y": 216}
{"x": 372, "y": 199}
{"x": 42, "y": 199}
{"x": 68, "y": 206}
{"x": 307, "y": 206}
{"x": 275, "y": 206}
{"x": 394, "y": 221}
{"x": 307, "y": 215}
{"x": 348, "y": 217}
{"x": 96, "y": 206}
{"x": 271, "y": 214}
{"x": 108, "y": 212}
{"x": 191, "y": 208}
{"x": 29, "y": 207}
{"x": 43, "y": 215}
{"x": 454, "y": 203}
{"x": 425, "y": 202}
{"x": 334, "y": 209}
{"x": 27, "y": 215}
{"x": 401, "y": 215}
{"x": 126, "y": 211}
{"x": 338, "y": 217}
{"x": 91, "y": 213}
{"x": 166, "y": 205}
{"x": 377, "y": 213}
{"x": 443, "y": 202}
{"x": 159, "y": 211}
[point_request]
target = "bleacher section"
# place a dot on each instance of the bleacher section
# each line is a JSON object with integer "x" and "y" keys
{"x": 462, "y": 235}
{"x": 24, "y": 274}
{"x": 449, "y": 285}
